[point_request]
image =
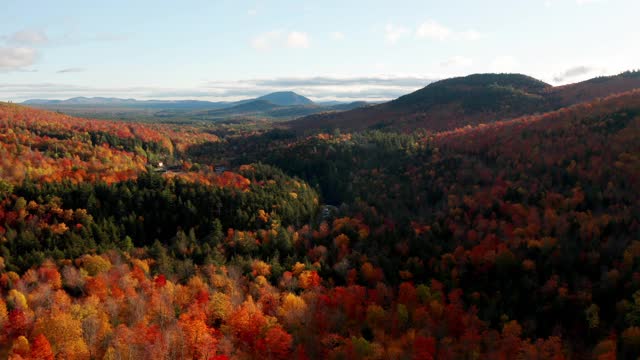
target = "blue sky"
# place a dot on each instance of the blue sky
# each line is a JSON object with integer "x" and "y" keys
{"x": 348, "y": 50}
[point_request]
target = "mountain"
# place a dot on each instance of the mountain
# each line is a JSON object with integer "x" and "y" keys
{"x": 289, "y": 105}
{"x": 81, "y": 101}
{"x": 488, "y": 93}
{"x": 267, "y": 110}
{"x": 104, "y": 101}
{"x": 349, "y": 106}
{"x": 330, "y": 103}
{"x": 474, "y": 99}
{"x": 283, "y": 98}
{"x": 286, "y": 98}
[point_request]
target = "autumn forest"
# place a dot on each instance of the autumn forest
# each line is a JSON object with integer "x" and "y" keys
{"x": 488, "y": 217}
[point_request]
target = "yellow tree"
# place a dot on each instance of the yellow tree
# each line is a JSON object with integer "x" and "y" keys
{"x": 293, "y": 310}
{"x": 65, "y": 335}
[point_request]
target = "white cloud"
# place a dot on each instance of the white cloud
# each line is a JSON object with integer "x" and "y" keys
{"x": 349, "y": 88}
{"x": 504, "y": 64}
{"x": 36, "y": 38}
{"x": 393, "y": 33}
{"x": 252, "y": 12}
{"x": 337, "y": 35}
{"x": 16, "y": 58}
{"x": 433, "y": 30}
{"x": 470, "y": 35}
{"x": 298, "y": 40}
{"x": 266, "y": 41}
{"x": 278, "y": 38}
{"x": 457, "y": 61}
{"x": 29, "y": 37}
{"x": 549, "y": 3}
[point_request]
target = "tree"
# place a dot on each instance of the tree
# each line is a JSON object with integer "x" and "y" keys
{"x": 6, "y": 189}
{"x": 64, "y": 333}
{"x": 41, "y": 349}
{"x": 20, "y": 347}
{"x": 246, "y": 323}
{"x": 200, "y": 341}
{"x": 276, "y": 344}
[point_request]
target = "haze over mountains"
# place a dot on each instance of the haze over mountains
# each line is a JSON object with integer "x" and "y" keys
{"x": 284, "y": 98}
{"x": 277, "y": 105}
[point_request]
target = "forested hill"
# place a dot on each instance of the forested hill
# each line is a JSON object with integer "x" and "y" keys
{"x": 105, "y": 181}
{"x": 534, "y": 219}
{"x": 480, "y": 98}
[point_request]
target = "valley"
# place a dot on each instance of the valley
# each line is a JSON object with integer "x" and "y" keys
{"x": 490, "y": 216}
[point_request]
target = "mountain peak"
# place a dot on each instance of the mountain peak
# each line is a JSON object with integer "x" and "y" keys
{"x": 486, "y": 91}
{"x": 286, "y": 98}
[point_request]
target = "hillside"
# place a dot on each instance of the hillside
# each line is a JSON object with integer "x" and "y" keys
{"x": 474, "y": 99}
{"x": 78, "y": 161}
{"x": 249, "y": 107}
{"x": 597, "y": 87}
{"x": 46, "y": 146}
{"x": 530, "y": 221}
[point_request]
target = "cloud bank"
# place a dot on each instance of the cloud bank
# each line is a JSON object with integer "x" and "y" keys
{"x": 373, "y": 88}
{"x": 16, "y": 58}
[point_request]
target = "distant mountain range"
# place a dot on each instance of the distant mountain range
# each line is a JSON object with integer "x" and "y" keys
{"x": 262, "y": 108}
{"x": 133, "y": 103}
{"x": 278, "y": 105}
{"x": 443, "y": 105}
{"x": 470, "y": 100}
{"x": 284, "y": 98}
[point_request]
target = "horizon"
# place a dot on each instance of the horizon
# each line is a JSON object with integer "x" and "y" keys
{"x": 231, "y": 102}
{"x": 166, "y": 100}
{"x": 229, "y": 52}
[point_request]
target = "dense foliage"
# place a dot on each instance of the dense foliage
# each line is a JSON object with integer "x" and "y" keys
{"x": 517, "y": 239}
{"x": 78, "y": 218}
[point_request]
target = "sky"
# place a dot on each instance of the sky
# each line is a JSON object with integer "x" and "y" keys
{"x": 327, "y": 50}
